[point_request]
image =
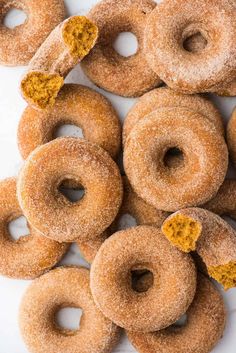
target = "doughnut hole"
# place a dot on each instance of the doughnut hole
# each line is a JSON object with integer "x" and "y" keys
{"x": 126, "y": 44}
{"x": 141, "y": 280}
{"x": 72, "y": 190}
{"x": 174, "y": 158}
{"x": 182, "y": 231}
{"x": 18, "y": 228}
{"x": 194, "y": 40}
{"x": 67, "y": 319}
{"x": 224, "y": 274}
{"x": 14, "y": 18}
{"x": 67, "y": 130}
{"x": 40, "y": 88}
{"x": 79, "y": 35}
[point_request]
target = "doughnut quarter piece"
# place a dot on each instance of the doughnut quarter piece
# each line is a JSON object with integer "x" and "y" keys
{"x": 196, "y": 229}
{"x": 60, "y": 288}
{"x": 192, "y": 182}
{"x": 64, "y": 48}
{"x": 132, "y": 205}
{"x": 164, "y": 97}
{"x": 204, "y": 326}
{"x": 83, "y": 163}
{"x": 19, "y": 44}
{"x": 125, "y": 76}
{"x": 29, "y": 256}
{"x": 75, "y": 105}
{"x": 174, "y": 280}
{"x": 165, "y": 38}
{"x": 231, "y": 137}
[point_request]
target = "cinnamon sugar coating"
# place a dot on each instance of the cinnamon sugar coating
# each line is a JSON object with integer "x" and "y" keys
{"x": 126, "y": 76}
{"x": 228, "y": 90}
{"x": 206, "y": 319}
{"x": 48, "y": 210}
{"x": 29, "y": 256}
{"x": 64, "y": 48}
{"x": 171, "y": 187}
{"x": 60, "y": 288}
{"x": 210, "y": 236}
{"x": 231, "y": 137}
{"x": 76, "y": 105}
{"x": 132, "y": 204}
{"x": 19, "y": 44}
{"x": 184, "y": 70}
{"x": 164, "y": 97}
{"x": 173, "y": 286}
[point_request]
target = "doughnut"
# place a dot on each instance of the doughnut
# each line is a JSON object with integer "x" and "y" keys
{"x": 60, "y": 288}
{"x": 203, "y": 150}
{"x": 174, "y": 280}
{"x": 206, "y": 319}
{"x": 231, "y": 137}
{"x": 18, "y": 45}
{"x": 228, "y": 90}
{"x": 29, "y": 256}
{"x": 132, "y": 205}
{"x": 164, "y": 97}
{"x": 210, "y": 236}
{"x": 164, "y": 43}
{"x": 76, "y": 105}
{"x": 64, "y": 48}
{"x": 125, "y": 76}
{"x": 48, "y": 210}
{"x": 224, "y": 203}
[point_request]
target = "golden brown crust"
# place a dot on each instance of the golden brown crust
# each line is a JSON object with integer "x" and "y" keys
{"x": 29, "y": 256}
{"x": 125, "y": 76}
{"x": 77, "y": 105}
{"x": 186, "y": 71}
{"x": 173, "y": 287}
{"x": 133, "y": 205}
{"x": 206, "y": 319}
{"x": 64, "y": 287}
{"x": 193, "y": 182}
{"x": 48, "y": 210}
{"x": 164, "y": 97}
{"x": 18, "y": 45}
{"x": 231, "y": 137}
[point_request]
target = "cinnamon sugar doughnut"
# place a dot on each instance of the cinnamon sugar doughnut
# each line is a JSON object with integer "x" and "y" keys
{"x": 132, "y": 205}
{"x": 224, "y": 203}
{"x": 212, "y": 238}
{"x": 48, "y": 210}
{"x": 19, "y": 44}
{"x": 76, "y": 105}
{"x": 64, "y": 287}
{"x": 67, "y": 44}
{"x": 125, "y": 76}
{"x": 231, "y": 137}
{"x": 193, "y": 182}
{"x": 174, "y": 280}
{"x": 206, "y": 319}
{"x": 180, "y": 69}
{"x": 228, "y": 90}
{"x": 29, "y": 256}
{"x": 164, "y": 97}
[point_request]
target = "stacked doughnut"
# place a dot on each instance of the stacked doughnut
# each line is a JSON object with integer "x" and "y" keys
{"x": 146, "y": 278}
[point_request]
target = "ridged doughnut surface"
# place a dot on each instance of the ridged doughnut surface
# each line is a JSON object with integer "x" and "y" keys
{"x": 132, "y": 205}
{"x": 125, "y": 76}
{"x": 206, "y": 318}
{"x": 174, "y": 21}
{"x": 192, "y": 182}
{"x": 76, "y": 105}
{"x": 64, "y": 287}
{"x": 29, "y": 256}
{"x": 19, "y": 44}
{"x": 79, "y": 161}
{"x": 174, "y": 280}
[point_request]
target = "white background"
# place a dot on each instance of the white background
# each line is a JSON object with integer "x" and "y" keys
{"x": 11, "y": 108}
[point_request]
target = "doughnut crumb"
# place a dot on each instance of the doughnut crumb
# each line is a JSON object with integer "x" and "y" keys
{"x": 41, "y": 88}
{"x": 224, "y": 274}
{"x": 79, "y": 34}
{"x": 182, "y": 231}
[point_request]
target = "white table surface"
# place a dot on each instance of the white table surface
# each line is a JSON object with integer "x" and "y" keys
{"x": 11, "y": 108}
